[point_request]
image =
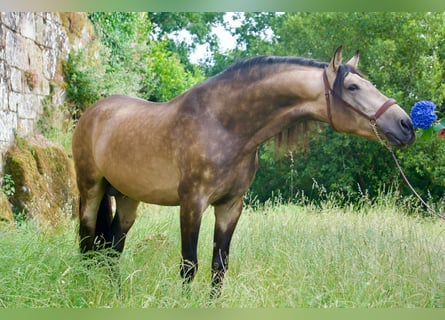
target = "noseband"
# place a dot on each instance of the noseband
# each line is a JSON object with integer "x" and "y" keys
{"x": 372, "y": 119}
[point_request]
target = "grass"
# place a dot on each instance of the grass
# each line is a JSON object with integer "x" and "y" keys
{"x": 282, "y": 256}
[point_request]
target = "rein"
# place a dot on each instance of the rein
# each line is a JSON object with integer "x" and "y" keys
{"x": 402, "y": 173}
{"x": 373, "y": 121}
{"x": 412, "y": 188}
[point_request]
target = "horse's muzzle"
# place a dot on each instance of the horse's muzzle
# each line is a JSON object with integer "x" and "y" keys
{"x": 403, "y": 134}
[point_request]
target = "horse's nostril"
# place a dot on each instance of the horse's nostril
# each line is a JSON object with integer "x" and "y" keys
{"x": 406, "y": 125}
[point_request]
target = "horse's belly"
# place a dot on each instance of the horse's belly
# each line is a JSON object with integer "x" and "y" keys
{"x": 150, "y": 187}
{"x": 163, "y": 197}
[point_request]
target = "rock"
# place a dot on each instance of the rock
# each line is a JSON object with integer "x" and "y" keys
{"x": 44, "y": 176}
{"x": 33, "y": 47}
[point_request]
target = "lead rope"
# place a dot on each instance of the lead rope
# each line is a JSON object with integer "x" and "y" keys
{"x": 374, "y": 128}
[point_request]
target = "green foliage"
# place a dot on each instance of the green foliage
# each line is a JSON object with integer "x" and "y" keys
{"x": 167, "y": 77}
{"x": 198, "y": 24}
{"x": 329, "y": 163}
{"x": 112, "y": 65}
{"x": 401, "y": 52}
{"x": 82, "y": 76}
{"x": 119, "y": 31}
{"x": 124, "y": 61}
{"x": 7, "y": 185}
{"x": 425, "y": 163}
{"x": 403, "y": 55}
{"x": 281, "y": 256}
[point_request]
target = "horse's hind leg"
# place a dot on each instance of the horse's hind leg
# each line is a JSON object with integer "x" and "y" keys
{"x": 122, "y": 222}
{"x": 95, "y": 215}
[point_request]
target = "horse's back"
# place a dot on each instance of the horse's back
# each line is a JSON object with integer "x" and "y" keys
{"x": 115, "y": 106}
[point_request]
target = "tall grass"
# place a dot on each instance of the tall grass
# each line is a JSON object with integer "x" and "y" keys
{"x": 373, "y": 255}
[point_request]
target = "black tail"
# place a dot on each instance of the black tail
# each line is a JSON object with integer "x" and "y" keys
{"x": 104, "y": 220}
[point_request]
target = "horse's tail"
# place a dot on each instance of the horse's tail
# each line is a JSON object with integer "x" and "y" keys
{"x": 104, "y": 220}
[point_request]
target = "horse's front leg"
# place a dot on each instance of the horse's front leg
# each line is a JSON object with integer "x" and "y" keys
{"x": 226, "y": 218}
{"x": 190, "y": 218}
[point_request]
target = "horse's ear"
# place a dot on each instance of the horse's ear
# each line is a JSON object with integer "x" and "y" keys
{"x": 354, "y": 60}
{"x": 336, "y": 60}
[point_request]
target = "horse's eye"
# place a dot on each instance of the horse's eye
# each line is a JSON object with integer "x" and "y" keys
{"x": 353, "y": 87}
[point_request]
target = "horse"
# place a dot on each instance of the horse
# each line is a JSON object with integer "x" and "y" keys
{"x": 201, "y": 148}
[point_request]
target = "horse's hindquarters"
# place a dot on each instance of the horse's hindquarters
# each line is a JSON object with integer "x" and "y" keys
{"x": 127, "y": 142}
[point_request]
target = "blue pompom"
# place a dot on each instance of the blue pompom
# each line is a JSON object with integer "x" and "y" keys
{"x": 423, "y": 114}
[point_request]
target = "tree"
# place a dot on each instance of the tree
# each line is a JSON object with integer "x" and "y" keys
{"x": 127, "y": 59}
{"x": 403, "y": 55}
{"x": 167, "y": 25}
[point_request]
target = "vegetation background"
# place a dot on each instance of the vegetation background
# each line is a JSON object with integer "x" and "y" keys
{"x": 327, "y": 225}
{"x": 146, "y": 54}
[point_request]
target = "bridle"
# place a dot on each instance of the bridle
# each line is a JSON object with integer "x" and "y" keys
{"x": 372, "y": 119}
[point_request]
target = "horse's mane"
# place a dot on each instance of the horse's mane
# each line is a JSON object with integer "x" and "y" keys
{"x": 273, "y": 60}
{"x": 264, "y": 61}
{"x": 259, "y": 66}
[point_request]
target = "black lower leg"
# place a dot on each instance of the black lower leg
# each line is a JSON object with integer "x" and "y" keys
{"x": 219, "y": 267}
{"x": 86, "y": 239}
{"x": 190, "y": 221}
{"x": 188, "y": 269}
{"x": 227, "y": 215}
{"x": 103, "y": 223}
{"x": 116, "y": 238}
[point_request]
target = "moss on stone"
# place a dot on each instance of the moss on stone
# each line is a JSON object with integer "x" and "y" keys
{"x": 74, "y": 23}
{"x": 44, "y": 179}
{"x": 6, "y": 217}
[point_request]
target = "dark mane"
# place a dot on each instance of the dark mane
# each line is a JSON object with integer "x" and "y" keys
{"x": 271, "y": 60}
{"x": 255, "y": 67}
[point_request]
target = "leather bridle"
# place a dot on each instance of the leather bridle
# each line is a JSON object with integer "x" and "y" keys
{"x": 372, "y": 118}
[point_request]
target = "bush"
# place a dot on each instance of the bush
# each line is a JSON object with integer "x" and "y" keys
{"x": 124, "y": 61}
{"x": 83, "y": 76}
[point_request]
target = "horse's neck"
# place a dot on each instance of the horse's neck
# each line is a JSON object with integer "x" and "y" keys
{"x": 261, "y": 109}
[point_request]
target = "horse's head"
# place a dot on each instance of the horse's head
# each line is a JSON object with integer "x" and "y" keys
{"x": 357, "y": 107}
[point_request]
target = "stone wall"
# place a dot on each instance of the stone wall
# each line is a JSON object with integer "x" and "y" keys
{"x": 32, "y": 48}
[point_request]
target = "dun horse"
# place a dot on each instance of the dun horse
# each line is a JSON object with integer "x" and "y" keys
{"x": 200, "y": 149}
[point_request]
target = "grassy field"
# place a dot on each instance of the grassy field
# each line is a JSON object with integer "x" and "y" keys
{"x": 282, "y": 256}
